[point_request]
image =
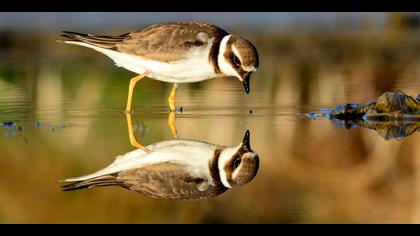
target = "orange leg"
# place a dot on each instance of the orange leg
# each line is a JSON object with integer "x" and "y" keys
{"x": 171, "y": 98}
{"x": 133, "y": 139}
{"x": 133, "y": 83}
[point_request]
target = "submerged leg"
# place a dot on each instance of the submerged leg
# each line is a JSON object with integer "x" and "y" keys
{"x": 133, "y": 139}
{"x": 171, "y": 98}
{"x": 133, "y": 83}
{"x": 171, "y": 123}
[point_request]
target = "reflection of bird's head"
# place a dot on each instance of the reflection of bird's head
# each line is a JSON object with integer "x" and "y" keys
{"x": 238, "y": 165}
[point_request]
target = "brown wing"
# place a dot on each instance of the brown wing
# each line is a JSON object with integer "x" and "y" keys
{"x": 166, "y": 41}
{"x": 169, "y": 181}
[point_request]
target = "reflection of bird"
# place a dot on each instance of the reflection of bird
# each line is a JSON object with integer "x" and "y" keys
{"x": 178, "y": 52}
{"x": 177, "y": 169}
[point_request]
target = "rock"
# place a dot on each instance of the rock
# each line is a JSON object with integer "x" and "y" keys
{"x": 396, "y": 102}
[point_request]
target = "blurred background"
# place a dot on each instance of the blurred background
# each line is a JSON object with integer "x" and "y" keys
{"x": 61, "y": 115}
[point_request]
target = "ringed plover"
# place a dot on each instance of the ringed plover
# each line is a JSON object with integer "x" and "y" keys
{"x": 175, "y": 52}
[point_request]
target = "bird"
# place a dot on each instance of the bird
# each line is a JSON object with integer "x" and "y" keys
{"x": 175, "y": 52}
{"x": 177, "y": 169}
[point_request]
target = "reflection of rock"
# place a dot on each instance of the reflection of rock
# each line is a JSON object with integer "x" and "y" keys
{"x": 177, "y": 169}
{"x": 391, "y": 129}
{"x": 394, "y": 115}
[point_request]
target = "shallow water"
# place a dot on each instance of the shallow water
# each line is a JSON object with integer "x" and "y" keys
{"x": 62, "y": 116}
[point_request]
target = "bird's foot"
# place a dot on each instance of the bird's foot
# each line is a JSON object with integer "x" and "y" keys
{"x": 129, "y": 112}
{"x": 177, "y": 110}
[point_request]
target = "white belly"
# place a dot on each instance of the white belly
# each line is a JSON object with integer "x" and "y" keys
{"x": 185, "y": 71}
{"x": 196, "y": 68}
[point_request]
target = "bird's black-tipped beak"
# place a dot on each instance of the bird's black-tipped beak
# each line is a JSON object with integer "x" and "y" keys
{"x": 246, "y": 143}
{"x": 246, "y": 83}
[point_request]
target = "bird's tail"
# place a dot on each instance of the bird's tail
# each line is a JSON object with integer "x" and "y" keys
{"x": 108, "y": 42}
{"x": 106, "y": 180}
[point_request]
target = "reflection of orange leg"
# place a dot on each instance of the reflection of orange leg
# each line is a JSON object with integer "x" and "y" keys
{"x": 171, "y": 98}
{"x": 133, "y": 139}
{"x": 133, "y": 83}
{"x": 171, "y": 123}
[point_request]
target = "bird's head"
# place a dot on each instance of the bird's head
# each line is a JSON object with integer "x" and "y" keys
{"x": 238, "y": 57}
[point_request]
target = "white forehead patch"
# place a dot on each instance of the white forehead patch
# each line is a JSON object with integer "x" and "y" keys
{"x": 225, "y": 66}
{"x": 224, "y": 158}
{"x": 249, "y": 68}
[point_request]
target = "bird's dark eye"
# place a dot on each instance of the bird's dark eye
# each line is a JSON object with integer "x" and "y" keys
{"x": 236, "y": 162}
{"x": 236, "y": 60}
